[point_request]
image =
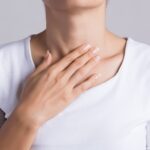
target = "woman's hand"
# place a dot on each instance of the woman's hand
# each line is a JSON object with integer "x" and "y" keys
{"x": 50, "y": 89}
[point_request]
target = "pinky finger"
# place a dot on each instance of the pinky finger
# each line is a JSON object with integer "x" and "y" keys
{"x": 87, "y": 84}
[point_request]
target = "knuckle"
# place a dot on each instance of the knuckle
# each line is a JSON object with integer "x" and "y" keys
{"x": 45, "y": 76}
{"x": 64, "y": 77}
{"x": 83, "y": 87}
{"x": 79, "y": 75}
{"x": 57, "y": 79}
{"x": 80, "y": 51}
{"x": 59, "y": 75}
{"x": 89, "y": 54}
{"x": 68, "y": 58}
{"x": 82, "y": 71}
{"x": 79, "y": 62}
{"x": 51, "y": 73}
{"x": 67, "y": 96}
{"x": 60, "y": 81}
{"x": 48, "y": 75}
{"x": 78, "y": 91}
{"x": 53, "y": 67}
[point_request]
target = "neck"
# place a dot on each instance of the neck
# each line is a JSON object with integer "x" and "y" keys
{"x": 67, "y": 30}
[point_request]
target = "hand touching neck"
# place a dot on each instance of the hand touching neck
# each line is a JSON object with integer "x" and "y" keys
{"x": 68, "y": 29}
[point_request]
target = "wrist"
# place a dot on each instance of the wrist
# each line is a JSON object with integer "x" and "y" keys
{"x": 22, "y": 121}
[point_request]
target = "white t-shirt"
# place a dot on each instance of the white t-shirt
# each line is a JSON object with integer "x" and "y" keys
{"x": 111, "y": 116}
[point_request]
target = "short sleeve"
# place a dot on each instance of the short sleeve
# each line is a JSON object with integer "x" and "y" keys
{"x": 3, "y": 80}
{"x": 11, "y": 63}
{"x": 2, "y": 105}
{"x": 14, "y": 68}
{"x": 145, "y": 86}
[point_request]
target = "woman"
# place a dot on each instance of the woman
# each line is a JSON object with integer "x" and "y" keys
{"x": 76, "y": 85}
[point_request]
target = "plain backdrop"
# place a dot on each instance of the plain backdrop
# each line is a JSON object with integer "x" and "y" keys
{"x": 21, "y": 18}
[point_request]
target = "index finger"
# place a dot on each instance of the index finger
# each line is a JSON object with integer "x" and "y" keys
{"x": 69, "y": 58}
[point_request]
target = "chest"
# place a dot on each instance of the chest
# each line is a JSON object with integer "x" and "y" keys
{"x": 102, "y": 122}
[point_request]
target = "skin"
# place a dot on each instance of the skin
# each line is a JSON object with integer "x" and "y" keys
{"x": 66, "y": 70}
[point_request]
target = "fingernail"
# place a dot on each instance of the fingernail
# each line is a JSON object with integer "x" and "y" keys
{"x": 96, "y": 50}
{"x": 98, "y": 75}
{"x": 97, "y": 58}
{"x": 86, "y": 47}
{"x": 47, "y": 54}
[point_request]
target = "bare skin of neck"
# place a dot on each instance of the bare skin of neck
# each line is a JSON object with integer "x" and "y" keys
{"x": 67, "y": 30}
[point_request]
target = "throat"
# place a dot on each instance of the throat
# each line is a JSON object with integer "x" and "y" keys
{"x": 66, "y": 31}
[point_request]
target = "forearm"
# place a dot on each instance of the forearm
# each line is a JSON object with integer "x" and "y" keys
{"x": 14, "y": 135}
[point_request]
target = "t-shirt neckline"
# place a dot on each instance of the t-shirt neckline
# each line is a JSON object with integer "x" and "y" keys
{"x": 102, "y": 85}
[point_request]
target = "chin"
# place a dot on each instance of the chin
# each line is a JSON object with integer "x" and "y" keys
{"x": 73, "y": 4}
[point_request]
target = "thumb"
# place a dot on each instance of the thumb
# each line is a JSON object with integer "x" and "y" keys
{"x": 44, "y": 64}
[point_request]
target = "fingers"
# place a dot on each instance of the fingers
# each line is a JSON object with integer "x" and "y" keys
{"x": 89, "y": 83}
{"x": 79, "y": 62}
{"x": 45, "y": 63}
{"x": 69, "y": 58}
{"x": 83, "y": 71}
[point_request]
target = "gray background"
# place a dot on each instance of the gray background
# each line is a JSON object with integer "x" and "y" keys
{"x": 20, "y": 18}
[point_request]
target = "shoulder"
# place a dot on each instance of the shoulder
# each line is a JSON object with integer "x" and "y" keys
{"x": 8, "y": 57}
{"x": 11, "y": 52}
{"x": 138, "y": 64}
{"x": 141, "y": 66}
{"x": 12, "y": 71}
{"x": 139, "y": 72}
{"x": 139, "y": 54}
{"x": 139, "y": 48}
{"x": 12, "y": 46}
{"x": 11, "y": 59}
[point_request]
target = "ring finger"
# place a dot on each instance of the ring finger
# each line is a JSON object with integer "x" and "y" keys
{"x": 82, "y": 72}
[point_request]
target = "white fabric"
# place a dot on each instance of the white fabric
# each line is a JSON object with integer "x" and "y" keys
{"x": 110, "y": 116}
